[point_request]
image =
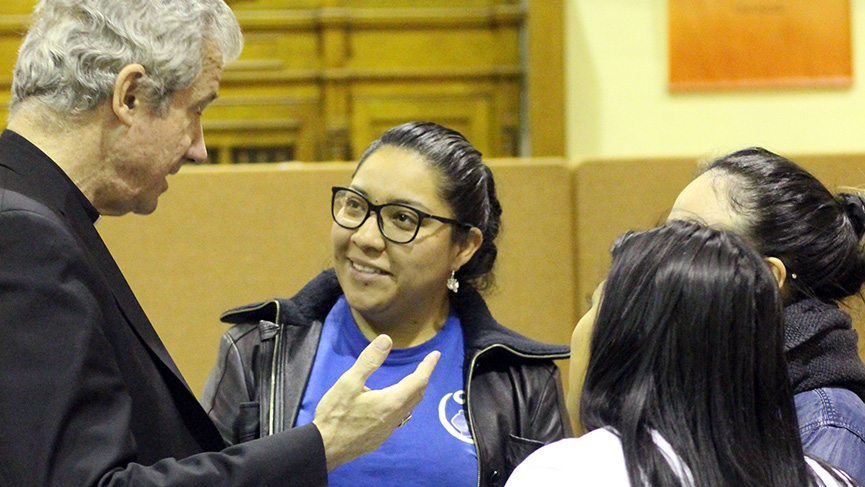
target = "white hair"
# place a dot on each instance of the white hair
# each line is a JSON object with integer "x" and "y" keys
{"x": 74, "y": 49}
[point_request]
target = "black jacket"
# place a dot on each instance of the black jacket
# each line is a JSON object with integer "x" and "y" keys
{"x": 90, "y": 394}
{"x": 513, "y": 388}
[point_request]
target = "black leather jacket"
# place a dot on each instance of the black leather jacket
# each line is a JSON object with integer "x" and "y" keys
{"x": 514, "y": 400}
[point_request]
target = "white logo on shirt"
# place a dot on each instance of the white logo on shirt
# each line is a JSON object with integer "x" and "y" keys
{"x": 453, "y": 418}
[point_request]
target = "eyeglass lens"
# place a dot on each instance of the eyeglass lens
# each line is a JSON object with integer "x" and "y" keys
{"x": 397, "y": 223}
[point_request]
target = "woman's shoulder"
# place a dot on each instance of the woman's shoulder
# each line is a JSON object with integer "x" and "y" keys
{"x": 311, "y": 303}
{"x": 595, "y": 458}
{"x": 482, "y": 331}
{"x": 830, "y": 406}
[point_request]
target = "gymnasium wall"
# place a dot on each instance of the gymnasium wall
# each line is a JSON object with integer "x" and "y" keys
{"x": 229, "y": 235}
{"x": 618, "y": 104}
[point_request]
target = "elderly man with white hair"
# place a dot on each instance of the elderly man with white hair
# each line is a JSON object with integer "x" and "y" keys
{"x": 107, "y": 100}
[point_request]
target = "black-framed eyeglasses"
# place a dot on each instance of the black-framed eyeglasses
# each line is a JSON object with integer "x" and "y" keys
{"x": 397, "y": 222}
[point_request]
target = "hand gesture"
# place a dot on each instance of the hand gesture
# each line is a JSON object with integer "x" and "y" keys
{"x": 354, "y": 420}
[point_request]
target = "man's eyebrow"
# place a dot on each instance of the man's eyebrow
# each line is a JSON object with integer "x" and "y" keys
{"x": 208, "y": 99}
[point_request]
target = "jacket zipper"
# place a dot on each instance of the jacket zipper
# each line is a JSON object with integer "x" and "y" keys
{"x": 469, "y": 390}
{"x": 272, "y": 400}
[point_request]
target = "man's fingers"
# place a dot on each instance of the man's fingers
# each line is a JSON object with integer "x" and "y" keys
{"x": 413, "y": 385}
{"x": 368, "y": 362}
{"x": 425, "y": 369}
{"x": 354, "y": 420}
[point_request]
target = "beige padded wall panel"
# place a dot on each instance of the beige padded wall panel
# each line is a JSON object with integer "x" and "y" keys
{"x": 226, "y": 236}
{"x": 229, "y": 235}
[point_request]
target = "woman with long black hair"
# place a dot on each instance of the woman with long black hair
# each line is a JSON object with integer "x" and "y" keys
{"x": 812, "y": 241}
{"x": 686, "y": 383}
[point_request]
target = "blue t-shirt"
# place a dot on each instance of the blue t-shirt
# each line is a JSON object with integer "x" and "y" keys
{"x": 435, "y": 447}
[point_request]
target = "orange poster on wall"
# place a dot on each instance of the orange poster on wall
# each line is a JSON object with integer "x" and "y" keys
{"x": 724, "y": 44}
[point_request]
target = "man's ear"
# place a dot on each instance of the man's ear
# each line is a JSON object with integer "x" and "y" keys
{"x": 779, "y": 270}
{"x": 126, "y": 93}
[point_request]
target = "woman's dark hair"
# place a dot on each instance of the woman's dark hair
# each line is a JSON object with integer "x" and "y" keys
{"x": 466, "y": 185}
{"x": 790, "y": 215}
{"x": 688, "y": 343}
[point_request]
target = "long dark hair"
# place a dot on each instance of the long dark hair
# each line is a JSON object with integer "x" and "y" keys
{"x": 790, "y": 215}
{"x": 466, "y": 185}
{"x": 688, "y": 342}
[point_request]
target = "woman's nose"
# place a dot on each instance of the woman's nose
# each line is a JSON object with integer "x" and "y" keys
{"x": 368, "y": 235}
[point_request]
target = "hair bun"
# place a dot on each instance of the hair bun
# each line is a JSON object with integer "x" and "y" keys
{"x": 854, "y": 208}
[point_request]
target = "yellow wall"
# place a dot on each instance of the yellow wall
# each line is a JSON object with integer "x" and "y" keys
{"x": 226, "y": 236}
{"x": 618, "y": 103}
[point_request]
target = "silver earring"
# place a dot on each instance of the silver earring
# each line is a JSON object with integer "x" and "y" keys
{"x": 453, "y": 284}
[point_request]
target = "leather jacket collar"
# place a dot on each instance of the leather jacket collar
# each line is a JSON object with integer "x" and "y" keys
{"x": 315, "y": 300}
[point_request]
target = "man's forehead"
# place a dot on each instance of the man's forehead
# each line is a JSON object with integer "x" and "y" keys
{"x": 206, "y": 88}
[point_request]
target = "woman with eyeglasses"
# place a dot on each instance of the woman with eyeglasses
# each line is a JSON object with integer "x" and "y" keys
{"x": 413, "y": 246}
{"x": 686, "y": 383}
